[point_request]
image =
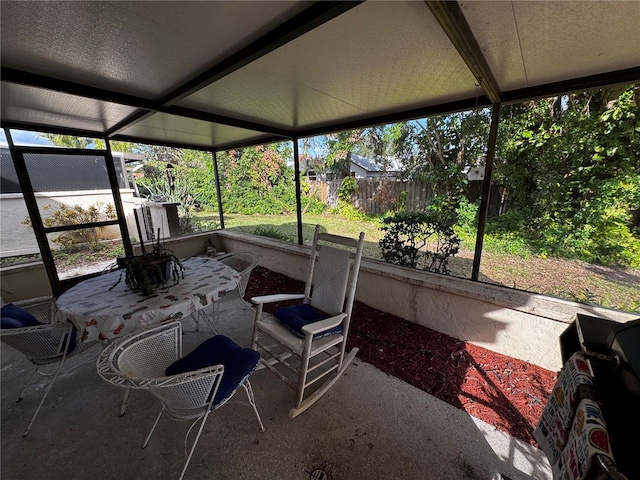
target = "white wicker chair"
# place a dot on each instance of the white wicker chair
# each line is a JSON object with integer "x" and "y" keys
{"x": 140, "y": 361}
{"x": 46, "y": 344}
{"x": 244, "y": 262}
{"x": 315, "y": 333}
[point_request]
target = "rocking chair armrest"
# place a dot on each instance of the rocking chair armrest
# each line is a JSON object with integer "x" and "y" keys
{"x": 322, "y": 325}
{"x": 279, "y": 297}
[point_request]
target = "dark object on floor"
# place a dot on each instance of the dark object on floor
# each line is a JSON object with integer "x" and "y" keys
{"x": 613, "y": 358}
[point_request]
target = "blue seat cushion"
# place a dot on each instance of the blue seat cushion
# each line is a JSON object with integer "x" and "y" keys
{"x": 219, "y": 350}
{"x": 8, "y": 322}
{"x": 21, "y": 317}
{"x": 297, "y": 316}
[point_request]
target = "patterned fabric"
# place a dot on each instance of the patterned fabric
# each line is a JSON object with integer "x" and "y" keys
{"x": 99, "y": 313}
{"x": 553, "y": 428}
{"x": 588, "y": 437}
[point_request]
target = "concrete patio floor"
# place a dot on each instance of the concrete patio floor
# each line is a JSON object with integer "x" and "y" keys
{"x": 369, "y": 426}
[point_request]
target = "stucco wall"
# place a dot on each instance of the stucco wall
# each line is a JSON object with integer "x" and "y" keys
{"x": 512, "y": 322}
{"x": 20, "y": 282}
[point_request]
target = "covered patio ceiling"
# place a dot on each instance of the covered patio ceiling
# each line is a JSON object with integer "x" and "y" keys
{"x": 218, "y": 75}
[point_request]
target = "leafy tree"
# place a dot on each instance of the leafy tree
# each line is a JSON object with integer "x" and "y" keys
{"x": 71, "y": 141}
{"x": 258, "y": 180}
{"x": 571, "y": 167}
{"x": 379, "y": 143}
{"x": 178, "y": 190}
{"x": 68, "y": 141}
{"x": 340, "y": 145}
{"x": 436, "y": 149}
{"x": 194, "y": 169}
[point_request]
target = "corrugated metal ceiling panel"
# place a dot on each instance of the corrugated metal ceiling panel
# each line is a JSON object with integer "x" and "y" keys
{"x": 563, "y": 40}
{"x": 380, "y": 57}
{"x": 375, "y": 59}
{"x": 22, "y": 104}
{"x": 141, "y": 48}
{"x": 173, "y": 129}
{"x": 534, "y": 43}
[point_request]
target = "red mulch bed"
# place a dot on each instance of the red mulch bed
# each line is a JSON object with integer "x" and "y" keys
{"x": 505, "y": 392}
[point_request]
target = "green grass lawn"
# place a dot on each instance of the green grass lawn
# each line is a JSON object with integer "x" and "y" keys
{"x": 286, "y": 226}
{"x": 501, "y": 264}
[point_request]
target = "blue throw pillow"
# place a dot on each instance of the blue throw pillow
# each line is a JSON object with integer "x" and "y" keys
{"x": 238, "y": 363}
{"x": 25, "y": 318}
{"x": 297, "y": 316}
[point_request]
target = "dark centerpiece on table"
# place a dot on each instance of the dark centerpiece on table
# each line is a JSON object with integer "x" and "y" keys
{"x": 150, "y": 271}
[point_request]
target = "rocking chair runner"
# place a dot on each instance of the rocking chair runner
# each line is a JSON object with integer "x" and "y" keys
{"x": 314, "y": 332}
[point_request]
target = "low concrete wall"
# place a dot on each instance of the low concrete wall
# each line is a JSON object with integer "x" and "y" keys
{"x": 186, "y": 246}
{"x": 27, "y": 280}
{"x": 23, "y": 281}
{"x": 519, "y": 324}
{"x": 511, "y": 322}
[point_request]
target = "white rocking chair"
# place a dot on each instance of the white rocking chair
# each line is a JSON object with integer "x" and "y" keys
{"x": 314, "y": 333}
{"x": 190, "y": 387}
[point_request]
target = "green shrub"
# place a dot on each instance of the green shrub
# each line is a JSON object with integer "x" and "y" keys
{"x": 467, "y": 216}
{"x": 204, "y": 224}
{"x": 344, "y": 209}
{"x": 272, "y": 232}
{"x": 511, "y": 221}
{"x": 348, "y": 187}
{"x": 422, "y": 240}
{"x": 63, "y": 215}
{"x": 512, "y": 233}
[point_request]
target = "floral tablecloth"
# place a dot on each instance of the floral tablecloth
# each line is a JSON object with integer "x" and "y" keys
{"x": 99, "y": 313}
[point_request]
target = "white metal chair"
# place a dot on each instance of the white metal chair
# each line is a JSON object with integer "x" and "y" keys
{"x": 190, "y": 387}
{"x": 29, "y": 327}
{"x": 243, "y": 262}
{"x": 314, "y": 333}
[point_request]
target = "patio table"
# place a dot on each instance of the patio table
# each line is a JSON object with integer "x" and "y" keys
{"x": 100, "y": 313}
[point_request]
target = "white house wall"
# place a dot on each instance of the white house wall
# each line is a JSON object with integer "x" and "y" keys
{"x": 358, "y": 170}
{"x": 19, "y": 239}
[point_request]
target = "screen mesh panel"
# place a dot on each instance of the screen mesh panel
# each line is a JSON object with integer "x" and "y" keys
{"x": 8, "y": 177}
{"x": 59, "y": 172}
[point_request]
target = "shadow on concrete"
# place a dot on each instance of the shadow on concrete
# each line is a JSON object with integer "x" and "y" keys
{"x": 369, "y": 426}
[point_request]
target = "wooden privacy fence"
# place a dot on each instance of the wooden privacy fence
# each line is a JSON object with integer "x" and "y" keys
{"x": 379, "y": 195}
{"x": 376, "y": 195}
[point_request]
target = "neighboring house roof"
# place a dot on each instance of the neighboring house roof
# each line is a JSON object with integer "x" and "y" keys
{"x": 372, "y": 166}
